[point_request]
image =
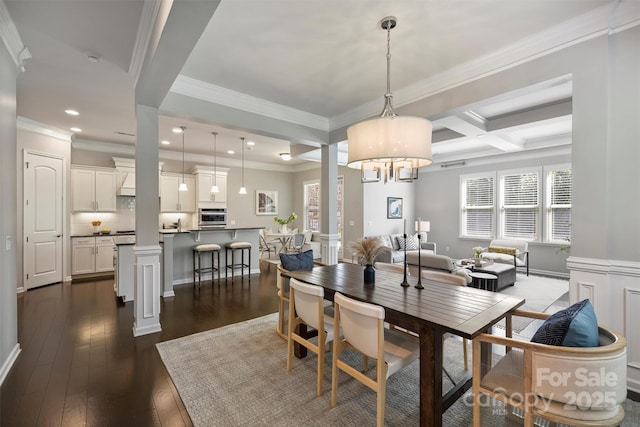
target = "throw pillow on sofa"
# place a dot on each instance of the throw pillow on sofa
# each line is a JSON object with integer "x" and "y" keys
{"x": 411, "y": 242}
{"x": 575, "y": 326}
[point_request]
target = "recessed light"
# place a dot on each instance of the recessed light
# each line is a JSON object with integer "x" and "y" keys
{"x": 251, "y": 143}
{"x": 71, "y": 112}
{"x": 165, "y": 142}
{"x": 176, "y": 130}
{"x": 74, "y": 129}
{"x": 231, "y": 152}
{"x": 285, "y": 156}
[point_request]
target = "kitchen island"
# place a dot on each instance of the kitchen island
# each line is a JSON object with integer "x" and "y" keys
{"x": 177, "y": 258}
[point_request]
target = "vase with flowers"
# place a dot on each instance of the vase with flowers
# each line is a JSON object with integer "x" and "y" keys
{"x": 367, "y": 249}
{"x": 285, "y": 221}
{"x": 477, "y": 252}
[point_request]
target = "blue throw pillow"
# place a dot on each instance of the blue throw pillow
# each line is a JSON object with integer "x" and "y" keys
{"x": 575, "y": 326}
{"x": 301, "y": 261}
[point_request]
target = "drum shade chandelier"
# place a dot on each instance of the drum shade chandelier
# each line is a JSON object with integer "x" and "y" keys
{"x": 390, "y": 142}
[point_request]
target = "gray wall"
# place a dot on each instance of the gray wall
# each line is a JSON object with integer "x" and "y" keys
{"x": 438, "y": 201}
{"x": 8, "y": 220}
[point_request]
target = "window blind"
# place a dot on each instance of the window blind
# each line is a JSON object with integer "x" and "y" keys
{"x": 559, "y": 205}
{"x": 478, "y": 209}
{"x": 520, "y": 206}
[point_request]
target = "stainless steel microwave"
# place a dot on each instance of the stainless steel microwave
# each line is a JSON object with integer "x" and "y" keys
{"x": 208, "y": 217}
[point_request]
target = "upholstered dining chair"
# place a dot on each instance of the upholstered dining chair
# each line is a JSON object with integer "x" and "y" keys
{"x": 306, "y": 307}
{"x": 362, "y": 326}
{"x": 568, "y": 385}
{"x": 298, "y": 261}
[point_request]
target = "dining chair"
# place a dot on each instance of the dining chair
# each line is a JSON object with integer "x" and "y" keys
{"x": 266, "y": 246}
{"x": 306, "y": 307}
{"x": 296, "y": 243}
{"x": 362, "y": 326}
{"x": 451, "y": 279}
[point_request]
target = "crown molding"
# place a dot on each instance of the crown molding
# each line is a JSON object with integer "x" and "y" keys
{"x": 193, "y": 88}
{"x": 33, "y": 126}
{"x": 11, "y": 38}
{"x": 571, "y": 32}
{"x": 145, "y": 30}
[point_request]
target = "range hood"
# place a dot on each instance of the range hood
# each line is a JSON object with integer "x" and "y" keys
{"x": 128, "y": 187}
{"x": 126, "y": 176}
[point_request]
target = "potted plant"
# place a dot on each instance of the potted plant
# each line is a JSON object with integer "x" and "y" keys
{"x": 368, "y": 249}
{"x": 284, "y": 221}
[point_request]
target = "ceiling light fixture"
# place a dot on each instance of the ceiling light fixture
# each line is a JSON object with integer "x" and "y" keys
{"x": 71, "y": 112}
{"x": 165, "y": 142}
{"x": 285, "y": 156}
{"x": 183, "y": 185}
{"x": 214, "y": 187}
{"x": 243, "y": 190}
{"x": 75, "y": 129}
{"x": 390, "y": 141}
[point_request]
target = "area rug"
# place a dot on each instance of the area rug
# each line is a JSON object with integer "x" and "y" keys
{"x": 541, "y": 294}
{"x": 236, "y": 376}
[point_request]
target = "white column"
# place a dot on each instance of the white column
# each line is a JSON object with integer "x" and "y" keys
{"x": 329, "y": 236}
{"x": 147, "y": 290}
{"x": 147, "y": 250}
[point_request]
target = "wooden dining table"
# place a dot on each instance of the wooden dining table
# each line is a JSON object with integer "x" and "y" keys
{"x": 429, "y": 312}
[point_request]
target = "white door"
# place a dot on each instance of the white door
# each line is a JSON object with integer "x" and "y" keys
{"x": 42, "y": 219}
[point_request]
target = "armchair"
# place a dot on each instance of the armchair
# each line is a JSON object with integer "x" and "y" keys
{"x": 577, "y": 386}
{"x": 508, "y": 251}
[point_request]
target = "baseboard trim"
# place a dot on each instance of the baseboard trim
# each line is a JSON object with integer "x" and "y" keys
{"x": 8, "y": 364}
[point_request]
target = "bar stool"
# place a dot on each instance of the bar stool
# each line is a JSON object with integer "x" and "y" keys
{"x": 233, "y": 247}
{"x": 486, "y": 281}
{"x": 198, "y": 250}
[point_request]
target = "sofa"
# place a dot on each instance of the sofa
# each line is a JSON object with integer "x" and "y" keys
{"x": 436, "y": 263}
{"x": 514, "y": 252}
{"x": 395, "y": 251}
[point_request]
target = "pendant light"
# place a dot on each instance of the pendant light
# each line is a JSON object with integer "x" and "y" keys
{"x": 214, "y": 187}
{"x": 243, "y": 190}
{"x": 390, "y": 142}
{"x": 183, "y": 185}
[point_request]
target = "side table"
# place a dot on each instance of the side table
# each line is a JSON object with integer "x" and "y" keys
{"x": 486, "y": 281}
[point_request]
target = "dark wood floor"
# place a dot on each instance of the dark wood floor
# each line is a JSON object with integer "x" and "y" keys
{"x": 80, "y": 364}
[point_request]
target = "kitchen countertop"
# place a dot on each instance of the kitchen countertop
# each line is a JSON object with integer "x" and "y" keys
{"x": 113, "y": 234}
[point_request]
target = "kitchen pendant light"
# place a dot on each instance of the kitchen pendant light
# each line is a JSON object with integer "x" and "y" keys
{"x": 183, "y": 185}
{"x": 390, "y": 142}
{"x": 214, "y": 187}
{"x": 243, "y": 190}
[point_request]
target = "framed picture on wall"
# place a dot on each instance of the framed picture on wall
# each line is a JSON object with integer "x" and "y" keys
{"x": 266, "y": 202}
{"x": 394, "y": 207}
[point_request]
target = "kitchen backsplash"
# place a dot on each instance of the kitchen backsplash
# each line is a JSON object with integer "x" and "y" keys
{"x": 124, "y": 218}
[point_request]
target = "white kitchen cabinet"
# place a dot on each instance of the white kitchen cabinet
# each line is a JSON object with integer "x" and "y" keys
{"x": 173, "y": 200}
{"x": 93, "y": 190}
{"x": 91, "y": 255}
{"x": 205, "y": 181}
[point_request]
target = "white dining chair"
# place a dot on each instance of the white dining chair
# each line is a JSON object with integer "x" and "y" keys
{"x": 362, "y": 327}
{"x": 306, "y": 307}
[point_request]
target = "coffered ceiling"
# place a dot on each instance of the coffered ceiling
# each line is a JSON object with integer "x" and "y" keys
{"x": 315, "y": 63}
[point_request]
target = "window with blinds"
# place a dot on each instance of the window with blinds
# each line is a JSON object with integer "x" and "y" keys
{"x": 520, "y": 206}
{"x": 312, "y": 206}
{"x": 478, "y": 206}
{"x": 559, "y": 205}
